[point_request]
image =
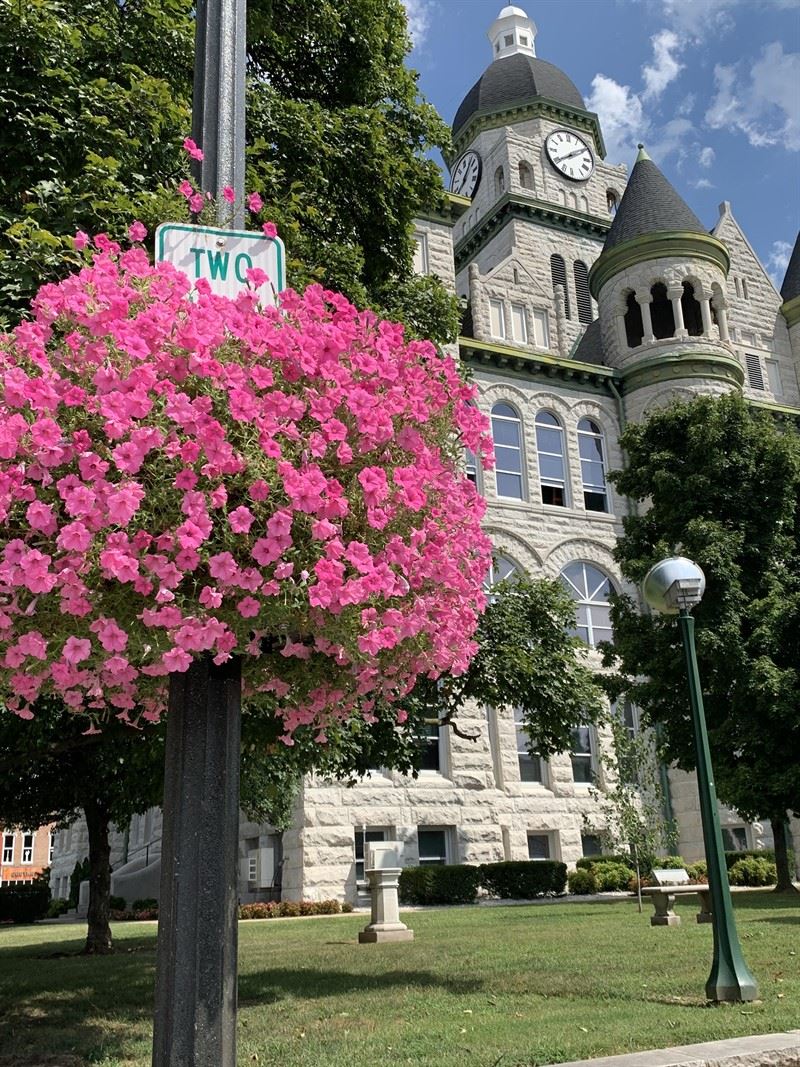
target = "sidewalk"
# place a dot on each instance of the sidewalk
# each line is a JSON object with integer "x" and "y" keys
{"x": 763, "y": 1050}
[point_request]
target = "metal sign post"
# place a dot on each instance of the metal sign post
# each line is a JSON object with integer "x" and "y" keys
{"x": 196, "y": 970}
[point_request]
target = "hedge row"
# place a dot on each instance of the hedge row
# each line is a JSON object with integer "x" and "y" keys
{"x": 24, "y": 903}
{"x": 290, "y": 909}
{"x": 459, "y": 884}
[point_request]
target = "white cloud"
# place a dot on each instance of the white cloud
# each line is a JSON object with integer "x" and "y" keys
{"x": 699, "y": 19}
{"x": 686, "y": 105}
{"x": 764, "y": 103}
{"x": 621, "y": 117}
{"x": 672, "y": 138}
{"x": 665, "y": 67}
{"x": 418, "y": 13}
{"x": 777, "y": 261}
{"x": 706, "y": 157}
{"x": 702, "y": 183}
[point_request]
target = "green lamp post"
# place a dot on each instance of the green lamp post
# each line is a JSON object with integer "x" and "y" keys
{"x": 673, "y": 587}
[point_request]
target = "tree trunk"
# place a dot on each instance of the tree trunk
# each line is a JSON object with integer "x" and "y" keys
{"x": 785, "y": 884}
{"x": 98, "y": 936}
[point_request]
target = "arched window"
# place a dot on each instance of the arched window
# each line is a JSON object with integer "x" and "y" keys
{"x": 736, "y": 283}
{"x": 558, "y": 272}
{"x": 591, "y": 447}
{"x": 501, "y": 568}
{"x": 590, "y": 589}
{"x": 550, "y": 449}
{"x": 745, "y": 294}
{"x": 525, "y": 176}
{"x": 661, "y": 313}
{"x": 612, "y": 201}
{"x": 507, "y": 436}
{"x": 692, "y": 316}
{"x": 582, "y": 296}
{"x": 634, "y": 327}
{"x": 499, "y": 181}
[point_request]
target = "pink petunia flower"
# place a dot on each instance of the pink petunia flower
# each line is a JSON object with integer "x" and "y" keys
{"x": 192, "y": 149}
{"x": 270, "y": 230}
{"x": 137, "y": 231}
{"x": 254, "y": 203}
{"x": 229, "y": 195}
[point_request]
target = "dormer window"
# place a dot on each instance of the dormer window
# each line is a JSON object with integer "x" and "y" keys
{"x": 523, "y": 41}
{"x": 508, "y": 40}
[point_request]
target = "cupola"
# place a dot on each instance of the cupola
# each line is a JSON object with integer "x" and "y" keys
{"x": 512, "y": 33}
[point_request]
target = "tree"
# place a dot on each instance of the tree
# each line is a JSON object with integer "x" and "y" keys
{"x": 722, "y": 483}
{"x": 95, "y": 99}
{"x": 51, "y": 770}
{"x": 632, "y": 802}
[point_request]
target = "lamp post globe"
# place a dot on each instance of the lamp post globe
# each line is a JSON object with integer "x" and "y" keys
{"x": 673, "y": 587}
{"x": 673, "y": 584}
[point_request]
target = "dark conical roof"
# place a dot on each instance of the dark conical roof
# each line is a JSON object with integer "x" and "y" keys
{"x": 791, "y": 282}
{"x": 650, "y": 205}
{"x": 516, "y": 79}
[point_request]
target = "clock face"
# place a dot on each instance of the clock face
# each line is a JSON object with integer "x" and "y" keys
{"x": 467, "y": 174}
{"x": 570, "y": 155}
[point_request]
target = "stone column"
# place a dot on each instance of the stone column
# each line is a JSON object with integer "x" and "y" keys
{"x": 383, "y": 872}
{"x": 644, "y": 303}
{"x": 479, "y": 326}
{"x": 561, "y": 321}
{"x": 677, "y": 310}
{"x": 705, "y": 311}
{"x": 722, "y": 322}
{"x": 622, "y": 336}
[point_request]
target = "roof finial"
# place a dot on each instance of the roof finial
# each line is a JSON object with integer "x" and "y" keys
{"x": 642, "y": 153}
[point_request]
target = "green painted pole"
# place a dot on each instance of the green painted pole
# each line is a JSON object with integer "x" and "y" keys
{"x": 730, "y": 979}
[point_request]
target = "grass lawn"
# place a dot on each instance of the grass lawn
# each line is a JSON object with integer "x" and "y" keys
{"x": 479, "y": 987}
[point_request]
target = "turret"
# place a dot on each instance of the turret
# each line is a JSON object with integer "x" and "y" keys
{"x": 790, "y": 309}
{"x": 660, "y": 283}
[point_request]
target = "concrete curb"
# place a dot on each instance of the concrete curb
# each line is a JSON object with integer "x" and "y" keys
{"x": 763, "y": 1050}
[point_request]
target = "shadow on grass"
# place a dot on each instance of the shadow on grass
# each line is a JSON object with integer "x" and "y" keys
{"x": 61, "y": 1008}
{"x": 268, "y": 987}
{"x": 790, "y": 920}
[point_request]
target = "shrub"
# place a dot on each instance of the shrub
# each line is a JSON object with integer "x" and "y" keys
{"x": 756, "y": 853}
{"x": 524, "y": 879}
{"x": 669, "y": 863}
{"x": 582, "y": 881}
{"x": 347, "y": 907}
{"x": 24, "y": 903}
{"x": 611, "y": 877}
{"x": 145, "y": 904}
{"x": 57, "y": 908}
{"x": 753, "y": 870}
{"x": 290, "y": 908}
{"x": 118, "y": 903}
{"x": 698, "y": 872}
{"x": 587, "y": 862}
{"x": 453, "y": 884}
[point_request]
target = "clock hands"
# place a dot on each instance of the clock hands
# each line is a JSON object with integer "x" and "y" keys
{"x": 569, "y": 155}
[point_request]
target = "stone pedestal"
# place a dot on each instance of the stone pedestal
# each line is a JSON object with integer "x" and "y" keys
{"x": 664, "y": 907}
{"x": 383, "y": 872}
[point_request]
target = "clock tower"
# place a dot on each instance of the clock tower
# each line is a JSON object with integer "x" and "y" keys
{"x": 530, "y": 156}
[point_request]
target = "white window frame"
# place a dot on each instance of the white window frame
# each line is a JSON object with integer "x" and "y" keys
{"x": 51, "y": 847}
{"x": 541, "y": 317}
{"x": 587, "y": 603}
{"x": 523, "y": 754}
{"x": 8, "y": 849}
{"x": 589, "y": 489}
{"x": 585, "y": 837}
{"x": 496, "y": 309}
{"x": 552, "y": 847}
{"x": 421, "y": 256}
{"x": 587, "y": 758}
{"x": 439, "y": 742}
{"x": 774, "y": 380}
{"x": 522, "y": 319}
{"x": 519, "y": 448}
{"x": 27, "y": 847}
{"x": 252, "y": 867}
{"x": 552, "y": 483}
{"x": 447, "y": 859}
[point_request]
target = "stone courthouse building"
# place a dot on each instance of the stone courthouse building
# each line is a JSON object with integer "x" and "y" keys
{"x": 593, "y": 297}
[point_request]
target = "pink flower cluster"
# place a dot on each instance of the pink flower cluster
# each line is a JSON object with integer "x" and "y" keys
{"x": 185, "y": 477}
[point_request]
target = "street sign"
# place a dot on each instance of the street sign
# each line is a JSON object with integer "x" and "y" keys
{"x": 223, "y": 257}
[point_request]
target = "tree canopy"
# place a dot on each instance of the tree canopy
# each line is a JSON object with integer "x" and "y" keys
{"x": 95, "y": 99}
{"x": 721, "y": 482}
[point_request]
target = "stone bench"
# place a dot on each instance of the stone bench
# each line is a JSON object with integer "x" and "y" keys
{"x": 663, "y": 897}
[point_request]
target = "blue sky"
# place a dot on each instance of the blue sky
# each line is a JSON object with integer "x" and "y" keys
{"x": 711, "y": 86}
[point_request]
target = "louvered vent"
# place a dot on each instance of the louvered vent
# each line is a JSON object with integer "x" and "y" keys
{"x": 754, "y": 375}
{"x": 559, "y": 273}
{"x": 582, "y": 295}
